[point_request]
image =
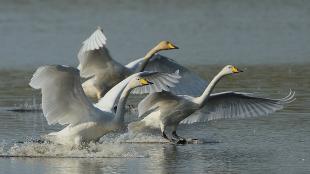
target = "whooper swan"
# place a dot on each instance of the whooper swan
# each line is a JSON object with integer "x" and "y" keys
{"x": 64, "y": 102}
{"x": 103, "y": 72}
{"x": 165, "y": 109}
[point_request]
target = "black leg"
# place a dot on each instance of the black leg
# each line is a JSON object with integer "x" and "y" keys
{"x": 163, "y": 134}
{"x": 174, "y": 134}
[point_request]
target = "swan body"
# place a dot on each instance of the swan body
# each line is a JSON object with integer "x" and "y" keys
{"x": 65, "y": 103}
{"x": 165, "y": 109}
{"x": 103, "y": 72}
{"x": 84, "y": 132}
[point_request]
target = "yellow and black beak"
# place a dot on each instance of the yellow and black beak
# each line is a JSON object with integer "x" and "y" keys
{"x": 145, "y": 82}
{"x": 171, "y": 46}
{"x": 236, "y": 70}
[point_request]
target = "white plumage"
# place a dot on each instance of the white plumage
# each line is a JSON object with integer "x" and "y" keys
{"x": 190, "y": 83}
{"x": 63, "y": 99}
{"x": 161, "y": 82}
{"x": 104, "y": 72}
{"x": 230, "y": 105}
{"x": 65, "y": 103}
{"x": 165, "y": 109}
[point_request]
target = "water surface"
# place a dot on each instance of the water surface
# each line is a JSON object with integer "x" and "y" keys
{"x": 269, "y": 39}
{"x": 278, "y": 143}
{"x": 35, "y": 32}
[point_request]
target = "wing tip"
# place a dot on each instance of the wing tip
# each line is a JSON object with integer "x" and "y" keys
{"x": 95, "y": 41}
{"x": 35, "y": 79}
{"x": 289, "y": 98}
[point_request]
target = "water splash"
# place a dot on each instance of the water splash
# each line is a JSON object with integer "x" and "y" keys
{"x": 51, "y": 150}
{"x": 127, "y": 138}
{"x": 113, "y": 145}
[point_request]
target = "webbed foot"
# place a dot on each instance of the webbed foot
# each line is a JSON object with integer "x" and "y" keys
{"x": 178, "y": 139}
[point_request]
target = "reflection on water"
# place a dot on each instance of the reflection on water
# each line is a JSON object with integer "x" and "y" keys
{"x": 275, "y": 144}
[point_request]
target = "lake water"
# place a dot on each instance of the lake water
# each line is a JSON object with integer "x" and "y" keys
{"x": 269, "y": 39}
{"x": 278, "y": 143}
{"x": 35, "y": 32}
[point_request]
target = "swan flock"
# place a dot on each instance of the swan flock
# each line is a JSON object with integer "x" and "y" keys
{"x": 90, "y": 100}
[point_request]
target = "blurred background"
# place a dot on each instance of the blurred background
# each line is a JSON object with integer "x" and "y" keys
{"x": 37, "y": 32}
{"x": 210, "y": 34}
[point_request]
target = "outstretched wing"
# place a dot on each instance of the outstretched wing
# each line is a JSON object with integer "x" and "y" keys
{"x": 161, "y": 81}
{"x": 237, "y": 105}
{"x": 190, "y": 84}
{"x": 63, "y": 99}
{"x": 96, "y": 41}
{"x": 94, "y": 57}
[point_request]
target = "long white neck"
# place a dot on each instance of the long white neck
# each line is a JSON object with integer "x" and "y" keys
{"x": 146, "y": 58}
{"x": 201, "y": 100}
{"x": 120, "y": 112}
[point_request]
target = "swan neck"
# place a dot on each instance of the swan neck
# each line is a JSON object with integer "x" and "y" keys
{"x": 120, "y": 111}
{"x": 146, "y": 58}
{"x": 201, "y": 100}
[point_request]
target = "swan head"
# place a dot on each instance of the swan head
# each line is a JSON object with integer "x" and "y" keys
{"x": 165, "y": 45}
{"x": 230, "y": 69}
{"x": 138, "y": 82}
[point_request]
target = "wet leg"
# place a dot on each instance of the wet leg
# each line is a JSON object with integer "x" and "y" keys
{"x": 180, "y": 140}
{"x": 163, "y": 134}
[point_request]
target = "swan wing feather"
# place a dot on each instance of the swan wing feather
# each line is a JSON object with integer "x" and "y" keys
{"x": 190, "y": 84}
{"x": 94, "y": 56}
{"x": 227, "y": 105}
{"x": 161, "y": 82}
{"x": 63, "y": 99}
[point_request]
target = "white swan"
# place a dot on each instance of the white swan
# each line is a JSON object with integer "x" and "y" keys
{"x": 164, "y": 109}
{"x": 64, "y": 102}
{"x": 104, "y": 72}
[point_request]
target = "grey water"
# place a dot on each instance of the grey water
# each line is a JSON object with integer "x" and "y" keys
{"x": 278, "y": 143}
{"x": 35, "y": 32}
{"x": 269, "y": 40}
